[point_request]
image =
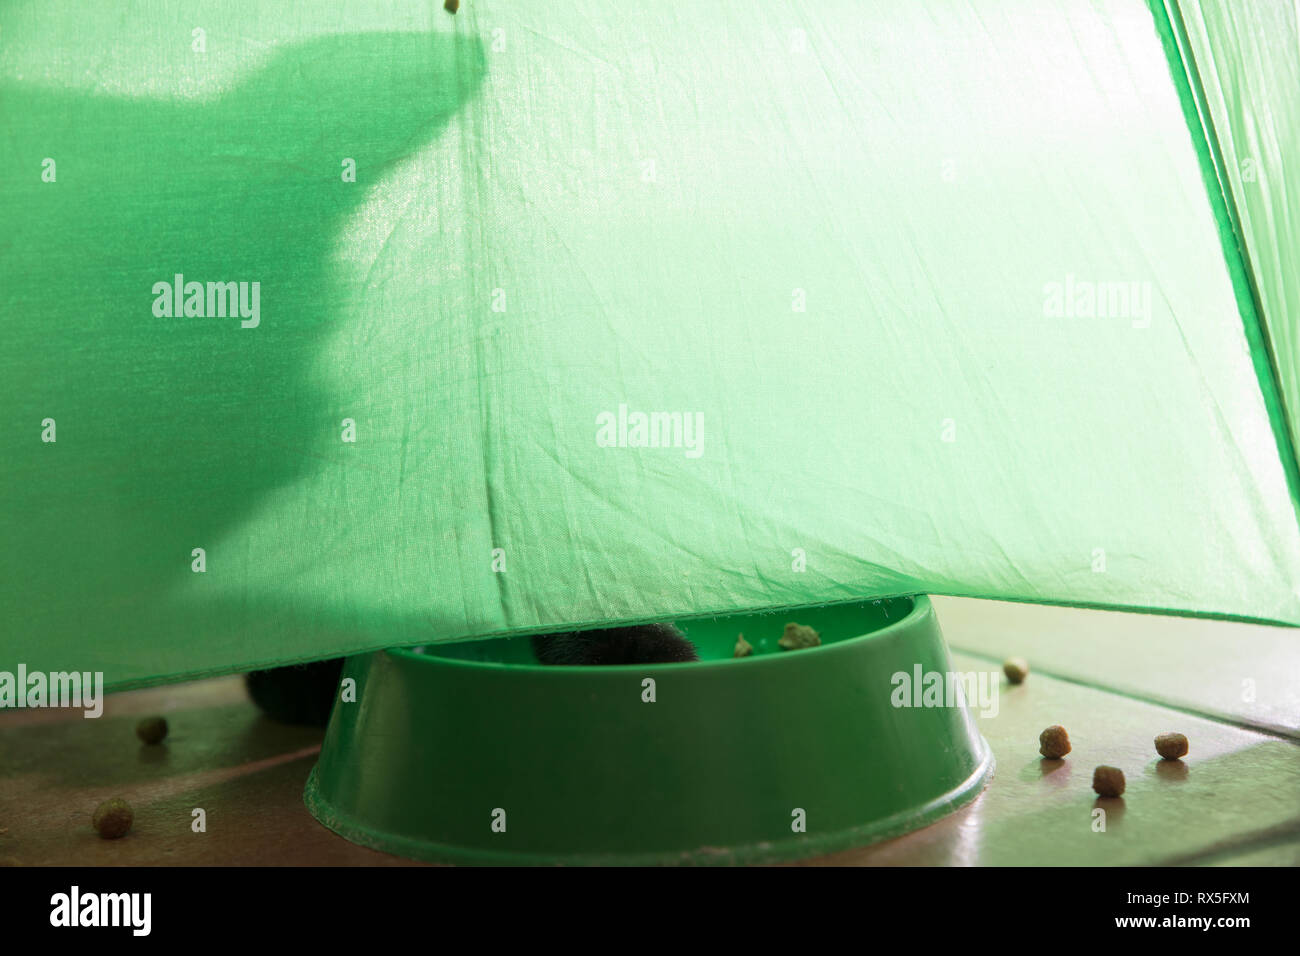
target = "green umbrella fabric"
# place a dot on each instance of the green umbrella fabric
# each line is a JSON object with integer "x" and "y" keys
{"x": 1244, "y": 63}
{"x": 327, "y": 331}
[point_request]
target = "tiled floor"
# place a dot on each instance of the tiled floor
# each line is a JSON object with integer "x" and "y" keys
{"x": 1246, "y": 673}
{"x": 1113, "y": 680}
{"x": 1238, "y": 790}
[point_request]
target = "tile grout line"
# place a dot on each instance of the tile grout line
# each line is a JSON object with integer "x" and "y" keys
{"x": 1290, "y": 735}
{"x": 1283, "y": 834}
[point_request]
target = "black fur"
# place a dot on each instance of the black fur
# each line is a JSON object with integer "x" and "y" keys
{"x": 639, "y": 644}
{"x": 304, "y": 693}
{"x": 300, "y": 694}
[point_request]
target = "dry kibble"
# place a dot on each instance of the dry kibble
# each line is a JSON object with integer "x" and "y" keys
{"x": 743, "y": 647}
{"x": 798, "y": 636}
{"x": 1054, "y": 742}
{"x": 1108, "y": 781}
{"x": 152, "y": 730}
{"x": 451, "y": 6}
{"x": 113, "y": 818}
{"x": 1016, "y": 669}
{"x": 1171, "y": 746}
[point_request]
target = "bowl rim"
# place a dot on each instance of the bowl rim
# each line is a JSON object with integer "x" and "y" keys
{"x": 921, "y": 607}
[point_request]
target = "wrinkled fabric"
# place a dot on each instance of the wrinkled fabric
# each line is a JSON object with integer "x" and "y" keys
{"x": 1247, "y": 59}
{"x": 633, "y": 312}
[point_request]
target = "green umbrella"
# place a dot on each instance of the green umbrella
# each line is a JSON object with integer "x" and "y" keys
{"x": 333, "y": 332}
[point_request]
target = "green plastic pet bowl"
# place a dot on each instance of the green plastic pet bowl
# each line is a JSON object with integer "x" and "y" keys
{"x": 475, "y": 753}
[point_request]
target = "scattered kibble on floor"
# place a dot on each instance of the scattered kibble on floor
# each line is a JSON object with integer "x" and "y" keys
{"x": 743, "y": 647}
{"x": 152, "y": 730}
{"x": 1108, "y": 781}
{"x": 451, "y": 6}
{"x": 113, "y": 818}
{"x": 1171, "y": 746}
{"x": 798, "y": 636}
{"x": 1016, "y": 669}
{"x": 1054, "y": 742}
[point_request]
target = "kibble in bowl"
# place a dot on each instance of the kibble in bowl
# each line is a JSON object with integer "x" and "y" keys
{"x": 797, "y": 637}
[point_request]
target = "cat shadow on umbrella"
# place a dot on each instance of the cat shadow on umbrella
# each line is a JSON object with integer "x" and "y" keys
{"x": 171, "y": 431}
